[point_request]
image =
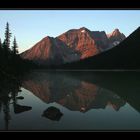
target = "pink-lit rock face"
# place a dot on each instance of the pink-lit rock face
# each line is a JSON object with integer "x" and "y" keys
{"x": 72, "y": 45}
{"x": 86, "y": 42}
{"x": 50, "y": 51}
{"x": 116, "y": 37}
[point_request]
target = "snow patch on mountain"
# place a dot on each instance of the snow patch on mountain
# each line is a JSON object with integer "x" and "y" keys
{"x": 82, "y": 31}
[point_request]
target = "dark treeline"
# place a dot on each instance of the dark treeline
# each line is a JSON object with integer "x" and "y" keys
{"x": 12, "y": 68}
{"x": 11, "y": 64}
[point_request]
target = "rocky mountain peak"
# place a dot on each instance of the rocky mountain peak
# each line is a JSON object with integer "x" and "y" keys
{"x": 116, "y": 32}
{"x": 73, "y": 45}
{"x": 116, "y": 37}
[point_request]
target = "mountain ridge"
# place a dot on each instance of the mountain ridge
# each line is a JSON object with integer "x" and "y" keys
{"x": 71, "y": 46}
{"x": 124, "y": 56}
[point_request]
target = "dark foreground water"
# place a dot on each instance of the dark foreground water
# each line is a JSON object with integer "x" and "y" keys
{"x": 72, "y": 101}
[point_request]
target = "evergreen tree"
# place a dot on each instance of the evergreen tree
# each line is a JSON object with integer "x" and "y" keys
{"x": 14, "y": 47}
{"x": 0, "y": 52}
{"x": 0, "y": 48}
{"x": 7, "y": 37}
{"x": 0, "y": 44}
{"x": 5, "y": 49}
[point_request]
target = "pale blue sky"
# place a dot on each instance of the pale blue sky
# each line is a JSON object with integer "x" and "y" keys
{"x": 30, "y": 26}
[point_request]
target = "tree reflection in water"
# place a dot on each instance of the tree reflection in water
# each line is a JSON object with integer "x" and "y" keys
{"x": 9, "y": 95}
{"x": 76, "y": 91}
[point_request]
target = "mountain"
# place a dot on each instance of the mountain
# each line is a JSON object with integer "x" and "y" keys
{"x": 116, "y": 37}
{"x": 123, "y": 56}
{"x": 50, "y": 51}
{"x": 71, "y": 46}
{"x": 87, "y": 43}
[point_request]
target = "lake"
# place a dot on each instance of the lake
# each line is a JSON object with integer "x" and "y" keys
{"x": 72, "y": 100}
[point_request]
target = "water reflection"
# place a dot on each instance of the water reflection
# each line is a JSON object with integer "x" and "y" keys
{"x": 71, "y": 92}
{"x": 84, "y": 94}
{"x": 9, "y": 96}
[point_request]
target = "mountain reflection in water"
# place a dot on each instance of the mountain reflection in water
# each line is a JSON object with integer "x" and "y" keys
{"x": 71, "y": 92}
{"x": 68, "y": 92}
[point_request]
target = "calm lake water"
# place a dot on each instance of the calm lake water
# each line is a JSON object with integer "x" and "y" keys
{"x": 63, "y": 100}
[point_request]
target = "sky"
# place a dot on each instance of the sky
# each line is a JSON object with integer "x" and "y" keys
{"x": 30, "y": 26}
